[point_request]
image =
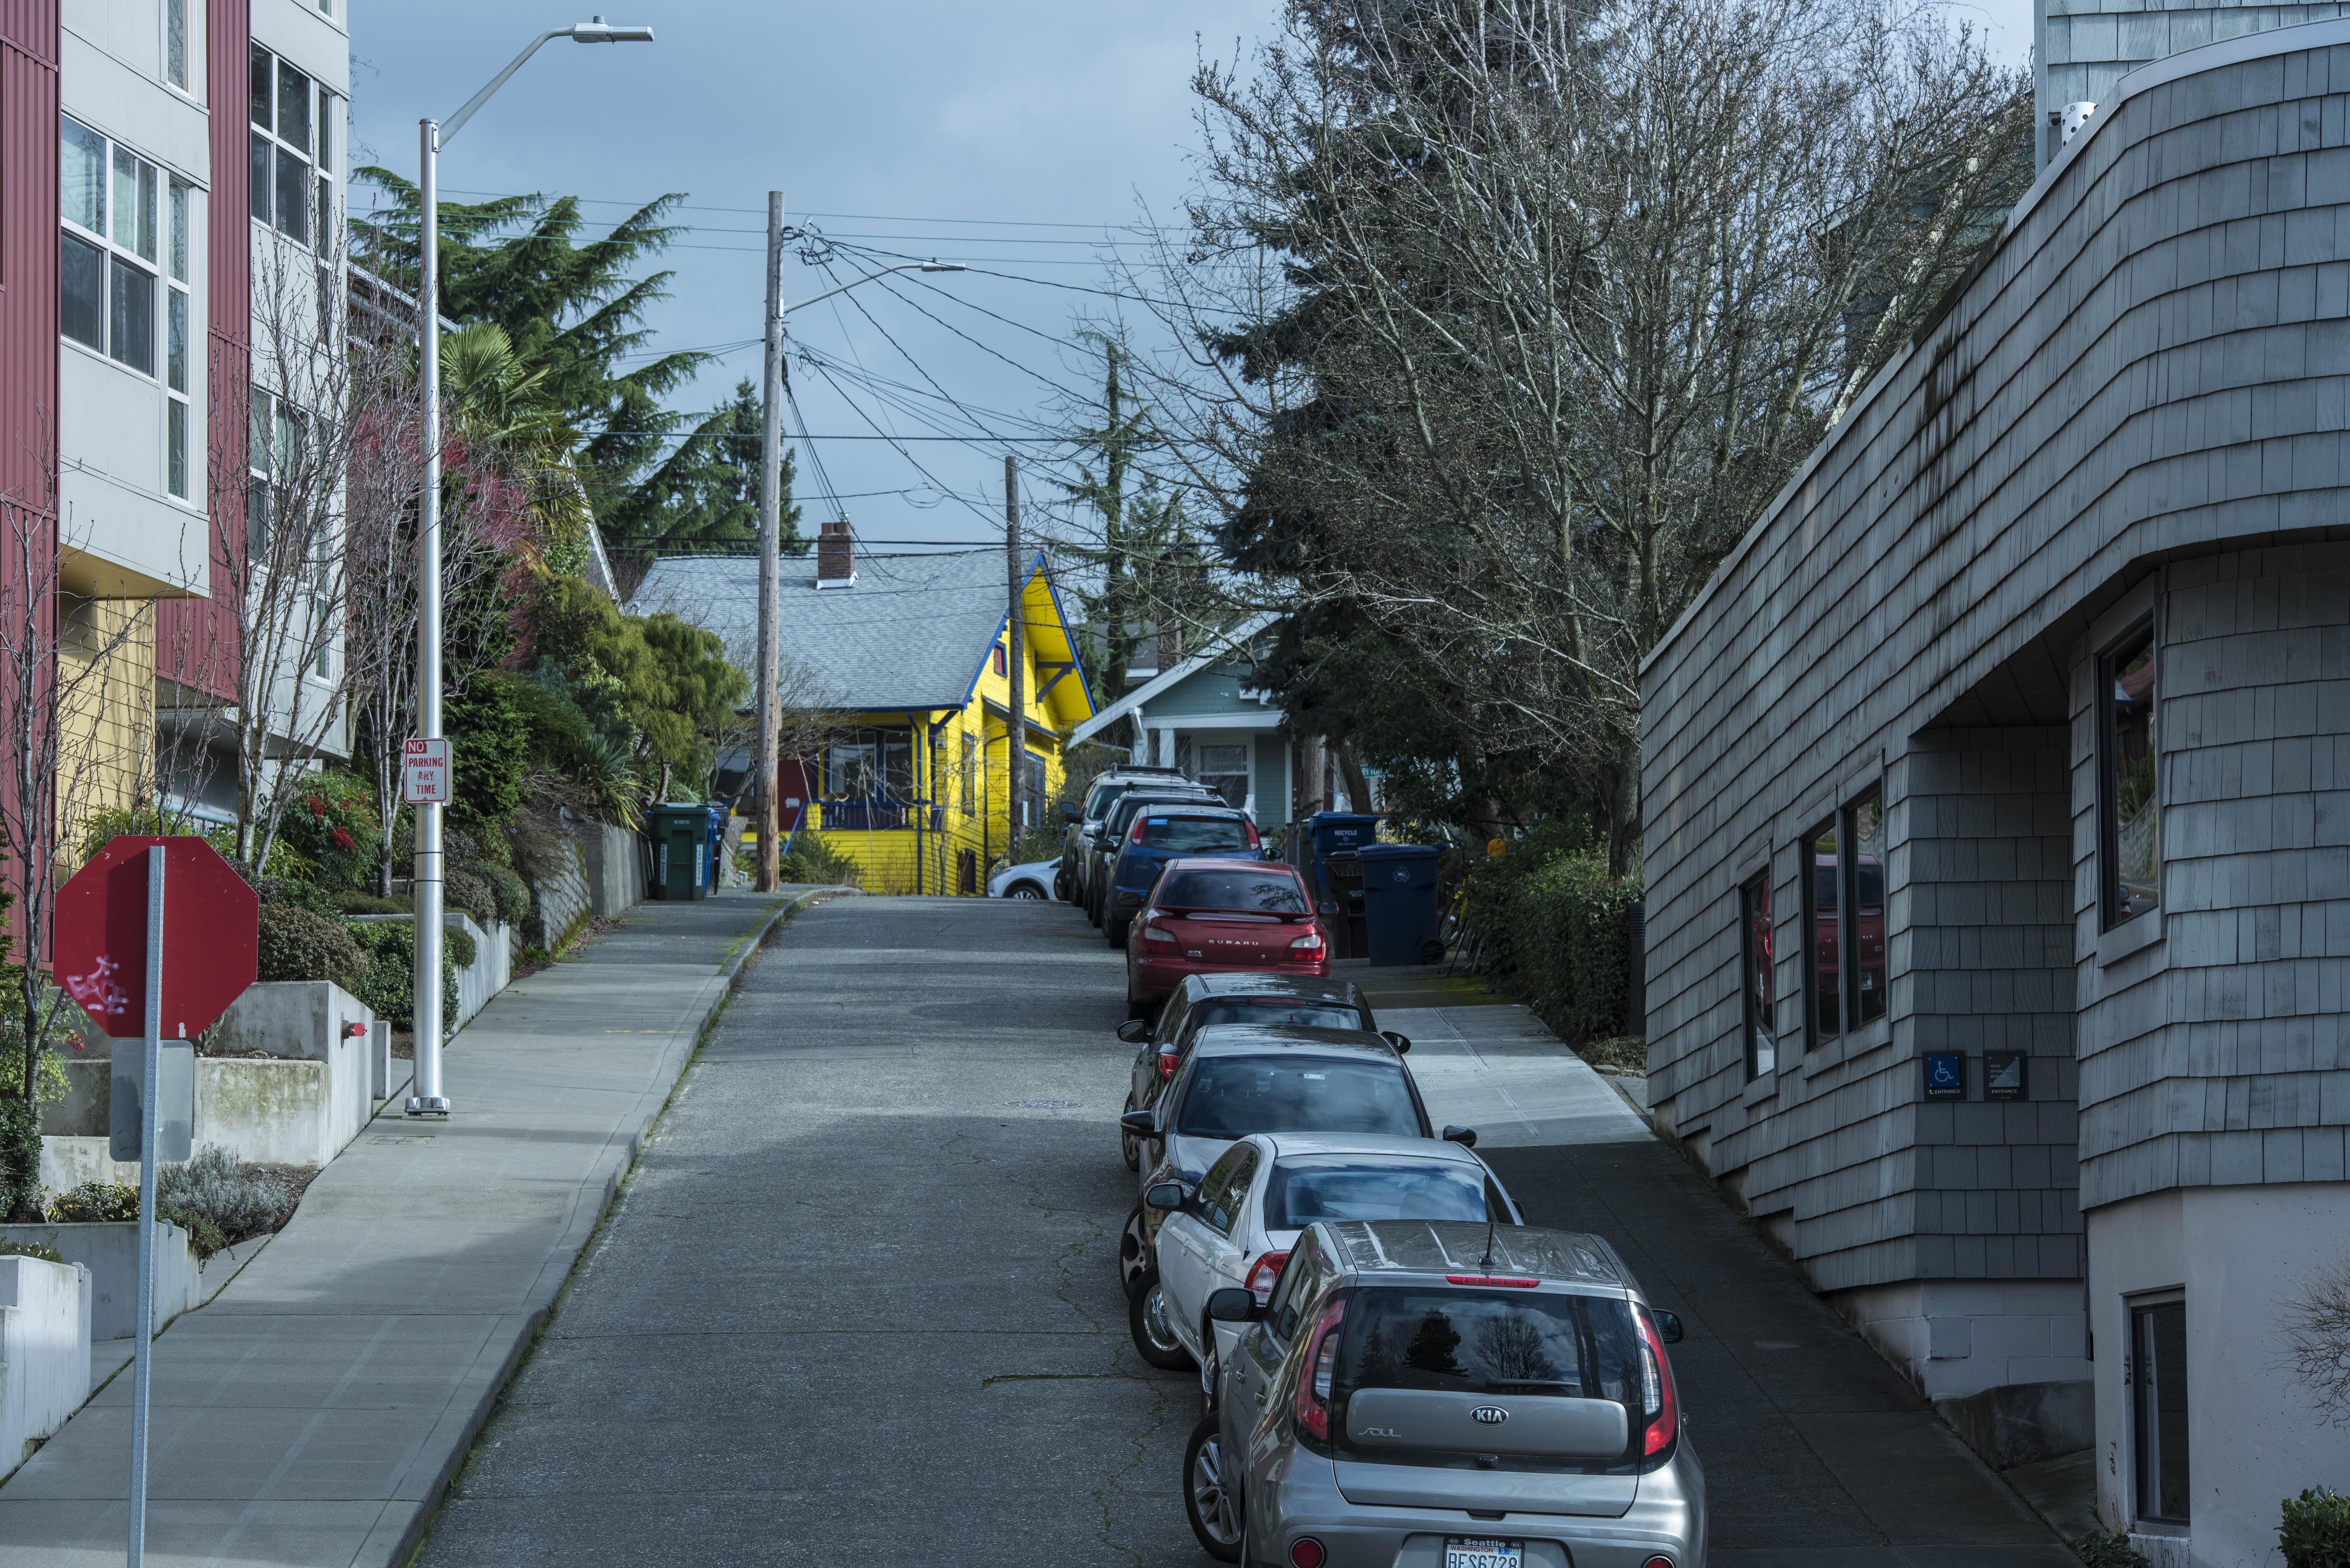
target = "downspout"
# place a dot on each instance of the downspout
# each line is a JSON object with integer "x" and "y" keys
{"x": 941, "y": 836}
{"x": 913, "y": 728}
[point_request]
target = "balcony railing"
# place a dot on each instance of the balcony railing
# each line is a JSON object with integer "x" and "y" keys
{"x": 866, "y": 815}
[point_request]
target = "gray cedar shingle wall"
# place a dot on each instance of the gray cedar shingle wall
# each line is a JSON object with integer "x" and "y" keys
{"x": 2218, "y": 1056}
{"x": 2084, "y": 46}
{"x": 2153, "y": 362}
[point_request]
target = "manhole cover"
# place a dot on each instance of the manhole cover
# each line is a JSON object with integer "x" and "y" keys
{"x": 1042, "y": 1105}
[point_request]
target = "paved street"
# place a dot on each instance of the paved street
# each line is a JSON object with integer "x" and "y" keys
{"x": 856, "y": 1302}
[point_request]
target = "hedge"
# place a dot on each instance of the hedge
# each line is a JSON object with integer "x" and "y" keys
{"x": 1553, "y": 927}
{"x": 302, "y": 944}
{"x": 2315, "y": 1533}
{"x": 390, "y": 988}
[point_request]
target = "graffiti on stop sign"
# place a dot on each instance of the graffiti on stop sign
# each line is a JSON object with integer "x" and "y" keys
{"x": 99, "y": 992}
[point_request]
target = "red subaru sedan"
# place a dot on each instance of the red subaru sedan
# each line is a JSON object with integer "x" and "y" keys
{"x": 1205, "y": 915}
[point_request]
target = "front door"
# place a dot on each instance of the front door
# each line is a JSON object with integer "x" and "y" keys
{"x": 795, "y": 787}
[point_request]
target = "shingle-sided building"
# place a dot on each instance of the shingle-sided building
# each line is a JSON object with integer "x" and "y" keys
{"x": 906, "y": 657}
{"x": 1998, "y": 804}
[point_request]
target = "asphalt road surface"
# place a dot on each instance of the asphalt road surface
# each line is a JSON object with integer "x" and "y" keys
{"x": 858, "y": 1302}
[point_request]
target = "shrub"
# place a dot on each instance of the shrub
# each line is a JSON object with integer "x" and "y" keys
{"x": 489, "y": 751}
{"x": 368, "y": 904}
{"x": 510, "y": 893}
{"x": 2315, "y": 1533}
{"x": 102, "y": 828}
{"x": 30, "y": 1250}
{"x": 461, "y": 888}
{"x": 95, "y": 1203}
{"x": 2107, "y": 1549}
{"x": 1552, "y": 925}
{"x": 236, "y": 1200}
{"x": 205, "y": 1238}
{"x": 302, "y": 944}
{"x": 389, "y": 989}
{"x": 332, "y": 822}
{"x": 20, "y": 1144}
{"x": 814, "y": 860}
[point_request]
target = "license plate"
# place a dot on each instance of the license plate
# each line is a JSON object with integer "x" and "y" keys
{"x": 1468, "y": 1552}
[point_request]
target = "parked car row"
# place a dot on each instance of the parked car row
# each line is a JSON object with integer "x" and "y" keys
{"x": 1395, "y": 1366}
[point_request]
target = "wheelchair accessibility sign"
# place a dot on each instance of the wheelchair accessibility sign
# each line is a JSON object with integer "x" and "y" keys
{"x": 1946, "y": 1076}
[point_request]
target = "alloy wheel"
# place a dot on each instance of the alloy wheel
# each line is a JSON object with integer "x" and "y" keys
{"x": 1210, "y": 1503}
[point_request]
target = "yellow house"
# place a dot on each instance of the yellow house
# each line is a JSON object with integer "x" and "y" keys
{"x": 898, "y": 667}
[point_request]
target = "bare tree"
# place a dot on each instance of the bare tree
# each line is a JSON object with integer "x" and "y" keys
{"x": 2317, "y": 1330}
{"x": 1510, "y": 320}
{"x": 76, "y": 685}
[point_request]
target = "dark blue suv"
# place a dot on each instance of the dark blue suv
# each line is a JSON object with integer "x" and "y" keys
{"x": 1168, "y": 831}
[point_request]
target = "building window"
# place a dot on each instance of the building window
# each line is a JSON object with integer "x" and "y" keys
{"x": 1823, "y": 1019}
{"x": 2130, "y": 862}
{"x": 1226, "y": 769}
{"x": 175, "y": 43}
{"x": 1754, "y": 942}
{"x": 292, "y": 151}
{"x": 969, "y": 771}
{"x": 996, "y": 658}
{"x": 1861, "y": 874}
{"x": 179, "y": 315}
{"x": 1031, "y": 799}
{"x": 272, "y": 449}
{"x": 2158, "y": 1374}
{"x": 870, "y": 764}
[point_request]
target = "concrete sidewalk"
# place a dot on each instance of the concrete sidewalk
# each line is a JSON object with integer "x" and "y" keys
{"x": 314, "y": 1413}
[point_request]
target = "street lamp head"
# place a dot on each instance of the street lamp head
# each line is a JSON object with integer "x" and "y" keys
{"x": 596, "y": 30}
{"x": 944, "y": 267}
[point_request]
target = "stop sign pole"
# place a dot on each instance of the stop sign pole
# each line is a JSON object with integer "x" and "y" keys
{"x": 150, "y": 1124}
{"x": 102, "y": 961}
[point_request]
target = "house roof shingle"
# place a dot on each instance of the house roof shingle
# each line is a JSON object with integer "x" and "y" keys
{"x": 910, "y": 632}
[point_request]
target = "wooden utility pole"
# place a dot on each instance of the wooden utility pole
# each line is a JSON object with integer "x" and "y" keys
{"x": 771, "y": 504}
{"x": 1016, "y": 790}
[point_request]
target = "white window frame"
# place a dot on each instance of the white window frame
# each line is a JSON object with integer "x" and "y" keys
{"x": 169, "y": 265}
{"x": 191, "y": 16}
{"x": 315, "y": 152}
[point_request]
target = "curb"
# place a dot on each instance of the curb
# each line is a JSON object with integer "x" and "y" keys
{"x": 404, "y": 1546}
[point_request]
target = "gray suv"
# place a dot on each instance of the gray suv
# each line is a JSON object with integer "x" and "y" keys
{"x": 1447, "y": 1393}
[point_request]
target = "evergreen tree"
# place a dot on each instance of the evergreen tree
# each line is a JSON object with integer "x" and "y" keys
{"x": 707, "y": 493}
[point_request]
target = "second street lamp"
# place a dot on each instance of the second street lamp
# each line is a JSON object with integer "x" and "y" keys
{"x": 425, "y": 1098}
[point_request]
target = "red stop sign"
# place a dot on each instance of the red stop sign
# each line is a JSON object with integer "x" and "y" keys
{"x": 211, "y": 936}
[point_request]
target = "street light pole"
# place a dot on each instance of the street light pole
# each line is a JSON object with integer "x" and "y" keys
{"x": 426, "y": 1098}
{"x": 770, "y": 530}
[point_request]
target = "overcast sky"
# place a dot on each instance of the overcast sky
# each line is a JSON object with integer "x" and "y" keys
{"x": 1016, "y": 136}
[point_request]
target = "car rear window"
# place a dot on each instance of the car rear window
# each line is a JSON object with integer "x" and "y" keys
{"x": 1272, "y": 892}
{"x": 1491, "y": 1342}
{"x": 1194, "y": 834}
{"x": 1307, "y": 1187}
{"x": 1232, "y": 1096}
{"x": 1237, "y": 1010}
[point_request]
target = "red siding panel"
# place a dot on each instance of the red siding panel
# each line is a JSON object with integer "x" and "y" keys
{"x": 195, "y": 641}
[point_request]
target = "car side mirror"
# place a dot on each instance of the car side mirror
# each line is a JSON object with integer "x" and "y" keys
{"x": 1234, "y": 1305}
{"x": 1070, "y": 813}
{"x": 1142, "y": 1124}
{"x": 1465, "y": 1136}
{"x": 1325, "y": 907}
{"x": 1402, "y": 1043}
{"x": 1134, "y": 1030}
{"x": 1669, "y": 1324}
{"x": 1166, "y": 1197}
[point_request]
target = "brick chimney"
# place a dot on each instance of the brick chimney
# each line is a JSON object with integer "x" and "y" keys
{"x": 835, "y": 556}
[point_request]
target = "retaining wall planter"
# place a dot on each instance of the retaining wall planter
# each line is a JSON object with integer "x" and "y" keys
{"x": 614, "y": 860}
{"x": 492, "y": 969}
{"x": 44, "y": 1351}
{"x": 108, "y": 1254}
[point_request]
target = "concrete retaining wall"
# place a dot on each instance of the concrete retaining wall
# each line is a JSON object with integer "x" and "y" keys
{"x": 559, "y": 905}
{"x": 615, "y": 864}
{"x": 109, "y": 1255}
{"x": 44, "y": 1351}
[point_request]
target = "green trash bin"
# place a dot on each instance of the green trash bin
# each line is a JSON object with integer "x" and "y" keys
{"x": 681, "y": 835}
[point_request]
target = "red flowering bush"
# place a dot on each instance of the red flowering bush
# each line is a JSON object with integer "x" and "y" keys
{"x": 333, "y": 826}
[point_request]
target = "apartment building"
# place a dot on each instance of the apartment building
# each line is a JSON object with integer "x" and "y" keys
{"x": 171, "y": 179}
{"x": 1999, "y": 868}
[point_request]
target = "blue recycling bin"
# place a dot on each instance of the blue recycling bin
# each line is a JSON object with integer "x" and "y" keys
{"x": 1333, "y": 831}
{"x": 1400, "y": 903}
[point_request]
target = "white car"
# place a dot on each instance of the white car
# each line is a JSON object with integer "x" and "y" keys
{"x": 1031, "y": 883}
{"x": 1236, "y": 1228}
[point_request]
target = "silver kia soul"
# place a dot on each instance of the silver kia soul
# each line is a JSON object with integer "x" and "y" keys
{"x": 1447, "y": 1395}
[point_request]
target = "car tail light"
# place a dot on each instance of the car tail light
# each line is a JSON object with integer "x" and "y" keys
{"x": 1306, "y": 1553}
{"x": 1126, "y": 900}
{"x": 1658, "y": 1400}
{"x": 1506, "y": 1280}
{"x": 1311, "y": 942}
{"x": 1154, "y": 933}
{"x": 1657, "y": 1562}
{"x": 1266, "y": 1274}
{"x": 1255, "y": 841}
{"x": 1167, "y": 1061}
{"x": 1135, "y": 835}
{"x": 1310, "y": 1406}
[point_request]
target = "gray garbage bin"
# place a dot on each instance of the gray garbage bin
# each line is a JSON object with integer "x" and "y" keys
{"x": 1399, "y": 902}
